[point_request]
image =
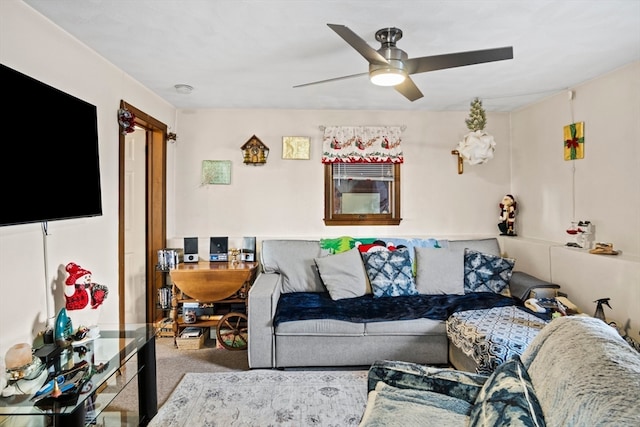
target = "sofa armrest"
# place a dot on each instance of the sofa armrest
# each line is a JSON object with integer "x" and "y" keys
{"x": 459, "y": 384}
{"x": 261, "y": 307}
{"x": 521, "y": 285}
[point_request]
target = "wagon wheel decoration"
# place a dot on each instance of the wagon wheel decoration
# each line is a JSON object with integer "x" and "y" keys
{"x": 232, "y": 331}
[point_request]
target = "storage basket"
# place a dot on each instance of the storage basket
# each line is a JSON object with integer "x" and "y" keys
{"x": 191, "y": 343}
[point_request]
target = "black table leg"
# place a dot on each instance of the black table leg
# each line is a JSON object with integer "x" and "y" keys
{"x": 147, "y": 383}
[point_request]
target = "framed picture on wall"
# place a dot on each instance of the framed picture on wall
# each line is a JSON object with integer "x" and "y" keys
{"x": 216, "y": 172}
{"x": 296, "y": 147}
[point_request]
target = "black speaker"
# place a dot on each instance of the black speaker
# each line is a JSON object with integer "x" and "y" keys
{"x": 218, "y": 249}
{"x": 248, "y": 251}
{"x": 190, "y": 249}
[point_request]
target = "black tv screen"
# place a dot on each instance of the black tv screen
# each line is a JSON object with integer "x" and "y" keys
{"x": 49, "y": 162}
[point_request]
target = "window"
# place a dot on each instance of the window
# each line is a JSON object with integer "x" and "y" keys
{"x": 362, "y": 175}
{"x": 362, "y": 194}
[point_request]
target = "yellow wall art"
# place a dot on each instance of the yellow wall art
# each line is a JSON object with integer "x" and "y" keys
{"x": 296, "y": 147}
{"x": 574, "y": 141}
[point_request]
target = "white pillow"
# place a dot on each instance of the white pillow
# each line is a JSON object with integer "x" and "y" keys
{"x": 439, "y": 271}
{"x": 343, "y": 274}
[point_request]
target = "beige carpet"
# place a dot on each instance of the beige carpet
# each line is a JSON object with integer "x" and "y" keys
{"x": 171, "y": 365}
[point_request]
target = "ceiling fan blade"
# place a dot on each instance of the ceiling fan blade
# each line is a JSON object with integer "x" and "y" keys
{"x": 409, "y": 89}
{"x": 333, "y": 79}
{"x": 363, "y": 48}
{"x": 459, "y": 59}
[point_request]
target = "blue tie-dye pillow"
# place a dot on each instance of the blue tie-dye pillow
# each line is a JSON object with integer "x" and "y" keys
{"x": 487, "y": 273}
{"x": 390, "y": 273}
{"x": 507, "y": 399}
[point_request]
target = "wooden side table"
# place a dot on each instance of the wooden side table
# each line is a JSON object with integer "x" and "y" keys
{"x": 214, "y": 282}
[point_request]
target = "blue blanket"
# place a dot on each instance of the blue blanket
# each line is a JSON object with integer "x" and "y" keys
{"x": 319, "y": 305}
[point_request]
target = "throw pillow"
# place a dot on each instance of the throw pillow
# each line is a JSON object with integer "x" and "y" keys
{"x": 439, "y": 271}
{"x": 390, "y": 273}
{"x": 293, "y": 259}
{"x": 343, "y": 274}
{"x": 507, "y": 399}
{"x": 487, "y": 273}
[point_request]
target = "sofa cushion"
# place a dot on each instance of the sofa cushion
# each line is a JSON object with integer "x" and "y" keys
{"x": 294, "y": 260}
{"x": 343, "y": 274}
{"x": 390, "y": 273}
{"x": 459, "y": 384}
{"x": 487, "y": 272}
{"x": 391, "y": 406}
{"x": 507, "y": 399}
{"x": 439, "y": 271}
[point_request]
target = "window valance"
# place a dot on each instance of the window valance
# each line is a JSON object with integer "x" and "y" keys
{"x": 362, "y": 144}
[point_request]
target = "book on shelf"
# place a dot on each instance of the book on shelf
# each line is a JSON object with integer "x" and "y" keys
{"x": 191, "y": 332}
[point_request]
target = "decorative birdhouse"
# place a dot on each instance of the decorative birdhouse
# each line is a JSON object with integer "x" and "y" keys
{"x": 255, "y": 152}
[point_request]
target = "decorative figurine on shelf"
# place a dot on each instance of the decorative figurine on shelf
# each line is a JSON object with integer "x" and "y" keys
{"x": 507, "y": 224}
{"x": 80, "y": 291}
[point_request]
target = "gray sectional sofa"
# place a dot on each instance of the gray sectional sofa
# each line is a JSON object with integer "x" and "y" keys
{"x": 291, "y": 267}
{"x": 577, "y": 371}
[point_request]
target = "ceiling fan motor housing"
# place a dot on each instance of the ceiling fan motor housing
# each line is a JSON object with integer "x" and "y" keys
{"x": 395, "y": 58}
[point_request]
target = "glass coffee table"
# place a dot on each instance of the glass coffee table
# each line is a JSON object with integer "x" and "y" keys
{"x": 117, "y": 356}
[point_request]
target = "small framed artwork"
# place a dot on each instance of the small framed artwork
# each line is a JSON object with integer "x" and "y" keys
{"x": 216, "y": 171}
{"x": 296, "y": 147}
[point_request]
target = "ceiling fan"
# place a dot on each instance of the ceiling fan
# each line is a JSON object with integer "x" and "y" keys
{"x": 391, "y": 66}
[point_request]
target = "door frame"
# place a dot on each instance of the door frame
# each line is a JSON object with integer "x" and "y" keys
{"x": 155, "y": 207}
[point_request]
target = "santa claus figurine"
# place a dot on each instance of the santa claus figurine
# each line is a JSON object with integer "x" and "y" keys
{"x": 507, "y": 224}
{"x": 80, "y": 290}
{"x": 77, "y": 290}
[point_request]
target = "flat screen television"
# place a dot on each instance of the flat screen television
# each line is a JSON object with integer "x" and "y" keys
{"x": 49, "y": 164}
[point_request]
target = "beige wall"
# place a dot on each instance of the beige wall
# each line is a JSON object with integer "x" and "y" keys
{"x": 284, "y": 197}
{"x": 32, "y": 45}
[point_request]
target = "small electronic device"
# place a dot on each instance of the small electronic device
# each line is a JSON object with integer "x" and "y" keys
{"x": 218, "y": 249}
{"x": 190, "y": 249}
{"x": 248, "y": 251}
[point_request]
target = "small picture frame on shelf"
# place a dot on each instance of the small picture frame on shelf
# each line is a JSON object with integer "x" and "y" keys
{"x": 296, "y": 147}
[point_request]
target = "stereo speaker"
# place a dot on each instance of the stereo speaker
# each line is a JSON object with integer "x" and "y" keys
{"x": 190, "y": 249}
{"x": 218, "y": 249}
{"x": 248, "y": 252}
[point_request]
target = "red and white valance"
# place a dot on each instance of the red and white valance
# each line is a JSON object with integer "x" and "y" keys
{"x": 362, "y": 144}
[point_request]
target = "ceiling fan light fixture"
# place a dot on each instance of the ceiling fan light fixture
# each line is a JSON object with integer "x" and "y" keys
{"x": 387, "y": 76}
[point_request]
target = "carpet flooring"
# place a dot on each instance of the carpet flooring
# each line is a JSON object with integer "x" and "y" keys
{"x": 186, "y": 379}
{"x": 266, "y": 397}
{"x": 171, "y": 365}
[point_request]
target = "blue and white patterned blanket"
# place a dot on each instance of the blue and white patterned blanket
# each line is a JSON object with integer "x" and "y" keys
{"x": 491, "y": 336}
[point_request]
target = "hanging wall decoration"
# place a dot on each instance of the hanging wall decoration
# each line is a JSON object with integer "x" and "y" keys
{"x": 477, "y": 146}
{"x": 216, "y": 171}
{"x": 296, "y": 147}
{"x": 255, "y": 152}
{"x": 126, "y": 119}
{"x": 574, "y": 141}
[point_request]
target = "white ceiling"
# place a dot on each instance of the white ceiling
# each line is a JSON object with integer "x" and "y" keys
{"x": 250, "y": 53}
